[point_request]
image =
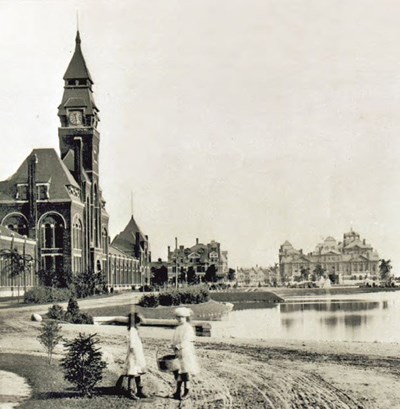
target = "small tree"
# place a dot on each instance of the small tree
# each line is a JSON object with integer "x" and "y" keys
{"x": 73, "y": 307}
{"x": 191, "y": 276}
{"x": 83, "y": 365}
{"x": 182, "y": 275}
{"x": 318, "y": 271}
{"x": 50, "y": 336}
{"x": 304, "y": 273}
{"x": 211, "y": 274}
{"x": 159, "y": 275}
{"x": 231, "y": 274}
{"x": 86, "y": 282}
{"x": 384, "y": 270}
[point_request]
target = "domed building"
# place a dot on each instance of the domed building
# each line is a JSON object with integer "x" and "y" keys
{"x": 350, "y": 259}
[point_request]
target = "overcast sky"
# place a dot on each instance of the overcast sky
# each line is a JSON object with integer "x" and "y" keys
{"x": 249, "y": 122}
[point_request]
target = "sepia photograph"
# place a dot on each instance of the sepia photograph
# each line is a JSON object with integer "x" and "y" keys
{"x": 200, "y": 204}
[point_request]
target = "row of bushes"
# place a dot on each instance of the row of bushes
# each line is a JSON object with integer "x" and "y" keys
{"x": 39, "y": 295}
{"x": 57, "y": 286}
{"x": 175, "y": 296}
{"x": 73, "y": 315}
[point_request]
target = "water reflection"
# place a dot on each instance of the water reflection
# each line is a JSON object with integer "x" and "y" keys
{"x": 365, "y": 317}
{"x": 330, "y": 306}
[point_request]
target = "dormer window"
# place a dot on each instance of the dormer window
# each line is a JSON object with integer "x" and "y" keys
{"x": 43, "y": 191}
{"x": 22, "y": 192}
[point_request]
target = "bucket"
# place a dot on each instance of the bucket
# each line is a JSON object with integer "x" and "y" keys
{"x": 168, "y": 363}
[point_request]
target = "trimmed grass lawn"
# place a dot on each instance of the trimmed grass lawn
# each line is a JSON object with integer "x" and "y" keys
{"x": 210, "y": 310}
{"x": 50, "y": 390}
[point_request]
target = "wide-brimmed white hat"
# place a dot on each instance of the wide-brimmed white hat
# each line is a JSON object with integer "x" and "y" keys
{"x": 183, "y": 312}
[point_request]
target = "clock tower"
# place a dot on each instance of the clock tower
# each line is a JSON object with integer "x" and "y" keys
{"x": 79, "y": 145}
{"x": 78, "y": 113}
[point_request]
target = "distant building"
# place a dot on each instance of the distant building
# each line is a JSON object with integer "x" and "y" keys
{"x": 253, "y": 276}
{"x": 351, "y": 258}
{"x": 200, "y": 257}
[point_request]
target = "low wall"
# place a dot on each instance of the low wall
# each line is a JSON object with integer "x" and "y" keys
{"x": 202, "y": 328}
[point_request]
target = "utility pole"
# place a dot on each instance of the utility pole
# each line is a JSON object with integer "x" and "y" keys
{"x": 176, "y": 262}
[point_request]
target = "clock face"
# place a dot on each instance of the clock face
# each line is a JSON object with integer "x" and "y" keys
{"x": 75, "y": 117}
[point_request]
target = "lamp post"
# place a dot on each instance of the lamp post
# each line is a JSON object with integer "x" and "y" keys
{"x": 23, "y": 261}
{"x": 12, "y": 264}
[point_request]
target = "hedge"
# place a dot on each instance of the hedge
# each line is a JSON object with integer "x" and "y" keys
{"x": 175, "y": 296}
{"x": 39, "y": 295}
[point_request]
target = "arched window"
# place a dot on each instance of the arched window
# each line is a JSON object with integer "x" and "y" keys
{"x": 52, "y": 231}
{"x": 104, "y": 239}
{"x": 96, "y": 221}
{"x": 16, "y": 222}
{"x": 77, "y": 234}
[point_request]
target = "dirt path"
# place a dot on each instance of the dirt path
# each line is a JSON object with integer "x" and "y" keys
{"x": 245, "y": 374}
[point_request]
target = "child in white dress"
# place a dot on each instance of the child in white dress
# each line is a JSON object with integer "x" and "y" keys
{"x": 182, "y": 343}
{"x": 135, "y": 363}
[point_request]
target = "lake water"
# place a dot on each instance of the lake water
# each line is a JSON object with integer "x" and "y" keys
{"x": 357, "y": 317}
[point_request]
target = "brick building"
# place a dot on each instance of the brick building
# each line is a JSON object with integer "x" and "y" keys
{"x": 57, "y": 201}
{"x": 199, "y": 257}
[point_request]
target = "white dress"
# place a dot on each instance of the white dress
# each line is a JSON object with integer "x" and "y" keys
{"x": 182, "y": 342}
{"x": 135, "y": 363}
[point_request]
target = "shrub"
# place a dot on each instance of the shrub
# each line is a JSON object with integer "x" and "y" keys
{"x": 83, "y": 365}
{"x": 50, "y": 336}
{"x": 56, "y": 312}
{"x": 195, "y": 294}
{"x": 85, "y": 283}
{"x": 40, "y": 295}
{"x": 73, "y": 307}
{"x": 171, "y": 296}
{"x": 79, "y": 318}
{"x": 72, "y": 315}
{"x": 149, "y": 300}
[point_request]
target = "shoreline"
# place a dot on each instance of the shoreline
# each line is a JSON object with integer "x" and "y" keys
{"x": 236, "y": 372}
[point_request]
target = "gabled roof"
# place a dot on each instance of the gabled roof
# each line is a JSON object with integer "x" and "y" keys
{"x": 357, "y": 243}
{"x": 49, "y": 169}
{"x": 126, "y": 240}
{"x": 114, "y": 251}
{"x": 77, "y": 68}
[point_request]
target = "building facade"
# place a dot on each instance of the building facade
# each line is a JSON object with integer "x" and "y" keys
{"x": 352, "y": 258}
{"x": 56, "y": 201}
{"x": 254, "y": 276}
{"x": 9, "y": 239}
{"x": 199, "y": 257}
{"x": 132, "y": 242}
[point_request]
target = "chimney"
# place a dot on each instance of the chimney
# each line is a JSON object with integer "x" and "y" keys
{"x": 197, "y": 240}
{"x": 32, "y": 193}
{"x": 78, "y": 160}
{"x": 364, "y": 241}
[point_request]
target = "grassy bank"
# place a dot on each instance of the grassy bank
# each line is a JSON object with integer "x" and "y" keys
{"x": 241, "y": 296}
{"x": 210, "y": 310}
{"x": 49, "y": 389}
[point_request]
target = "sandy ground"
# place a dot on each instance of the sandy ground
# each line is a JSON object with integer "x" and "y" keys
{"x": 241, "y": 373}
